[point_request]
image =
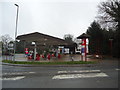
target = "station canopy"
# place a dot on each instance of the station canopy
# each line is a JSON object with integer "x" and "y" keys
{"x": 42, "y": 39}
{"x": 83, "y": 36}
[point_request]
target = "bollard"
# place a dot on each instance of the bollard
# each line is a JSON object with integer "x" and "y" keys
{"x": 59, "y": 56}
{"x": 48, "y": 56}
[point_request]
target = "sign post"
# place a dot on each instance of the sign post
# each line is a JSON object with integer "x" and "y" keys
{"x": 83, "y": 50}
{"x": 10, "y": 50}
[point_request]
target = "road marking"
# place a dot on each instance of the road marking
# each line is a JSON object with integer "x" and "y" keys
{"x": 78, "y": 71}
{"x": 31, "y": 72}
{"x": 15, "y": 78}
{"x": 70, "y": 76}
{"x": 117, "y": 69}
{"x": 18, "y": 73}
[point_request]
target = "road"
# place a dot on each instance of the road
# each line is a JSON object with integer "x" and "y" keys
{"x": 103, "y": 75}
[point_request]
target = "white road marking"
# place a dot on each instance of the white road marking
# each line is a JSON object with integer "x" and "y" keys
{"x": 78, "y": 71}
{"x": 18, "y": 73}
{"x": 15, "y": 78}
{"x": 31, "y": 72}
{"x": 70, "y": 76}
{"x": 117, "y": 69}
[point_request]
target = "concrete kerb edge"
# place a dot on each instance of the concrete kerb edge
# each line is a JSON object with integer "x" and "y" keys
{"x": 27, "y": 65}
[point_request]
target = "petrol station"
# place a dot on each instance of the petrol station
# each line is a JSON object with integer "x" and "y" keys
{"x": 37, "y": 45}
{"x": 37, "y": 42}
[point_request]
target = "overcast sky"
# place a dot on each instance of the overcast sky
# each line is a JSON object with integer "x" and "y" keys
{"x": 52, "y": 17}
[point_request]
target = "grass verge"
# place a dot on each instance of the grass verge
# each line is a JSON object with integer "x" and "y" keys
{"x": 49, "y": 63}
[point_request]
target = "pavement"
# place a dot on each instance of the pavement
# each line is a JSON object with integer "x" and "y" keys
{"x": 22, "y": 57}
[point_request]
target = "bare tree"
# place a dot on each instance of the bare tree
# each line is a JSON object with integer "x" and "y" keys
{"x": 109, "y": 14}
{"x": 68, "y": 37}
{"x": 5, "y": 40}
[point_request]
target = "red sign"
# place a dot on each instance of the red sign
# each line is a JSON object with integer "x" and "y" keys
{"x": 26, "y": 50}
{"x": 83, "y": 41}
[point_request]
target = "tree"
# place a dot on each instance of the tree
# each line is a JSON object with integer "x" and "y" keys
{"x": 68, "y": 37}
{"x": 5, "y": 40}
{"x": 109, "y": 15}
{"x": 96, "y": 38}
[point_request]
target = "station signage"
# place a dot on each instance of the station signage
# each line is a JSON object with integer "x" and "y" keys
{"x": 11, "y": 46}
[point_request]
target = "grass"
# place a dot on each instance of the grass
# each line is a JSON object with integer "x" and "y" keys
{"x": 49, "y": 63}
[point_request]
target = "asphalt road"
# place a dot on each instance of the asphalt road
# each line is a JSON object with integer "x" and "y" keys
{"x": 104, "y": 75}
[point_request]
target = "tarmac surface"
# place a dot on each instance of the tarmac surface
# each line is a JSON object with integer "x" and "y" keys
{"x": 104, "y": 74}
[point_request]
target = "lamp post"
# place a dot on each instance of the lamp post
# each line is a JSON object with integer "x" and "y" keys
{"x": 16, "y": 30}
{"x": 34, "y": 43}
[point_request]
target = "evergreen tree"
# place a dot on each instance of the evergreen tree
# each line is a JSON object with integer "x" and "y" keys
{"x": 96, "y": 38}
{"x": 109, "y": 15}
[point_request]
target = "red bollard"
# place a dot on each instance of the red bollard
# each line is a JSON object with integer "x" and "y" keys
{"x": 37, "y": 57}
{"x": 59, "y": 56}
{"x": 43, "y": 56}
{"x": 29, "y": 57}
{"x": 53, "y": 55}
{"x": 48, "y": 56}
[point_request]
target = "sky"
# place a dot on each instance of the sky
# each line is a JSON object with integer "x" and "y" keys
{"x": 51, "y": 17}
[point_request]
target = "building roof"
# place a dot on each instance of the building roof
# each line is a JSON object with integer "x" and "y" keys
{"x": 42, "y": 39}
{"x": 83, "y": 36}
